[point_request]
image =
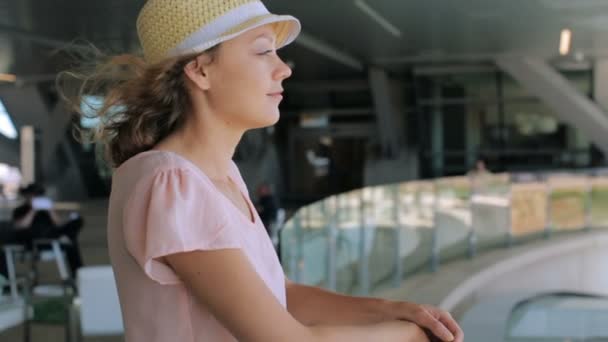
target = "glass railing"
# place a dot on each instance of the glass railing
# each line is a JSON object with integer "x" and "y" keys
{"x": 374, "y": 238}
{"x": 558, "y": 318}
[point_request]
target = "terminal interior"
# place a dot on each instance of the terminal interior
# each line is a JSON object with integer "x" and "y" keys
{"x": 442, "y": 152}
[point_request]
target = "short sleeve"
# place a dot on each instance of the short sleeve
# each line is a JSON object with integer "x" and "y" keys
{"x": 171, "y": 212}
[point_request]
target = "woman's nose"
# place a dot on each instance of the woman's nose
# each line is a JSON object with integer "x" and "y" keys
{"x": 283, "y": 70}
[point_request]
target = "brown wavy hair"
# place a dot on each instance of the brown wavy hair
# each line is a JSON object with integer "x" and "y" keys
{"x": 142, "y": 103}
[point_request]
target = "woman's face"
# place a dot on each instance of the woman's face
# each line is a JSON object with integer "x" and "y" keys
{"x": 245, "y": 80}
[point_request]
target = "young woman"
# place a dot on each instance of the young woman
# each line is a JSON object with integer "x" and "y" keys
{"x": 192, "y": 260}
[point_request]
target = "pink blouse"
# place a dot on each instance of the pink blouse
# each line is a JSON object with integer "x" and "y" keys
{"x": 162, "y": 204}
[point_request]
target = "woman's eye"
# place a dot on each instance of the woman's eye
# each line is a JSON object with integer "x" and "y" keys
{"x": 267, "y": 52}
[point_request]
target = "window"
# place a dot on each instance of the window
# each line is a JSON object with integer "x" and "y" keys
{"x": 7, "y": 128}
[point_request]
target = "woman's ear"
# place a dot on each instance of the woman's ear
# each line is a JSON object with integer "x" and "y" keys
{"x": 197, "y": 70}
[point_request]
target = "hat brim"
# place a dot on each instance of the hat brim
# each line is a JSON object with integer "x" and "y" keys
{"x": 286, "y": 27}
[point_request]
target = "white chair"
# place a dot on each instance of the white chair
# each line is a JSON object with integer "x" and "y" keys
{"x": 45, "y": 302}
{"x": 99, "y": 308}
{"x": 10, "y": 252}
{"x": 11, "y": 307}
{"x": 26, "y": 294}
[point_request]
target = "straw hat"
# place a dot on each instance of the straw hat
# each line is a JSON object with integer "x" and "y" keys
{"x": 171, "y": 28}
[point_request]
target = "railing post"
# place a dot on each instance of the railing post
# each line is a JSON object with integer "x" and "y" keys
{"x": 298, "y": 257}
{"x": 364, "y": 283}
{"x": 435, "y": 257}
{"x": 472, "y": 243}
{"x": 472, "y": 238}
{"x": 332, "y": 220}
{"x": 398, "y": 274}
{"x": 549, "y": 228}
{"x": 509, "y": 238}
{"x": 588, "y": 203}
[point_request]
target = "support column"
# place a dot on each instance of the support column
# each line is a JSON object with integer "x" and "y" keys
{"x": 390, "y": 123}
{"x": 437, "y": 132}
{"x": 28, "y": 155}
{"x": 600, "y": 83}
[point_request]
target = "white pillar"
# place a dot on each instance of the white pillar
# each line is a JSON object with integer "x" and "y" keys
{"x": 600, "y": 83}
{"x": 28, "y": 154}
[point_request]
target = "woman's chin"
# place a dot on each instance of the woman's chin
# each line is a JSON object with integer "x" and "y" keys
{"x": 275, "y": 118}
{"x": 269, "y": 120}
{"x": 261, "y": 119}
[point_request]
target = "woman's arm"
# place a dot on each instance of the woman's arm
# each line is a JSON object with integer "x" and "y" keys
{"x": 313, "y": 305}
{"x": 224, "y": 282}
{"x": 390, "y": 331}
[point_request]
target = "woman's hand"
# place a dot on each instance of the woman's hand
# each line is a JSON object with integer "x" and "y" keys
{"x": 438, "y": 322}
{"x": 399, "y": 331}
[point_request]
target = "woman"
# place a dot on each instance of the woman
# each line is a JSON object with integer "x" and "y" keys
{"x": 192, "y": 260}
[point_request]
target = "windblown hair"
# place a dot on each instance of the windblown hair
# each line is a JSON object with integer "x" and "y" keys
{"x": 142, "y": 104}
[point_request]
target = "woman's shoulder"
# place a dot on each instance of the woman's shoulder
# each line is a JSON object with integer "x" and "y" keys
{"x": 149, "y": 164}
{"x": 159, "y": 174}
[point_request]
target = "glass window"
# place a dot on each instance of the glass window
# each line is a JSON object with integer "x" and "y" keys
{"x": 7, "y": 128}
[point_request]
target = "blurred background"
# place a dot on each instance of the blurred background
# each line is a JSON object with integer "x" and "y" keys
{"x": 446, "y": 152}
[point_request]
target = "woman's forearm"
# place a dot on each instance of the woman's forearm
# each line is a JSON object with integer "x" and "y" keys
{"x": 313, "y": 306}
{"x": 392, "y": 331}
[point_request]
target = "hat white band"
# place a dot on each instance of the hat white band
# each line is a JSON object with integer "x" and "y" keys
{"x": 211, "y": 34}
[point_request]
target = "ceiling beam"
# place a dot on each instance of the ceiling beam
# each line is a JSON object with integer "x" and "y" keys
{"x": 448, "y": 69}
{"x": 17, "y": 33}
{"x": 477, "y": 68}
{"x": 378, "y": 18}
{"x": 435, "y": 58}
{"x": 328, "y": 85}
{"x": 329, "y": 51}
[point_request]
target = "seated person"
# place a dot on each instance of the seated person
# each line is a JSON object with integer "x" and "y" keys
{"x": 10, "y": 236}
{"x": 36, "y": 219}
{"x": 480, "y": 168}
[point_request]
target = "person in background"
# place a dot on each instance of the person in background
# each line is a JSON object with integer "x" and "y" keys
{"x": 478, "y": 176}
{"x": 36, "y": 219}
{"x": 479, "y": 169}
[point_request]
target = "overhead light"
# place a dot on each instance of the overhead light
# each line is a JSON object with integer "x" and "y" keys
{"x": 565, "y": 41}
{"x": 377, "y": 17}
{"x": 8, "y": 78}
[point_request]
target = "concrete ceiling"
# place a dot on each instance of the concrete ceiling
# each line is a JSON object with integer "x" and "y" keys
{"x": 426, "y": 31}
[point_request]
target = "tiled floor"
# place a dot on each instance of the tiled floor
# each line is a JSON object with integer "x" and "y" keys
{"x": 95, "y": 252}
